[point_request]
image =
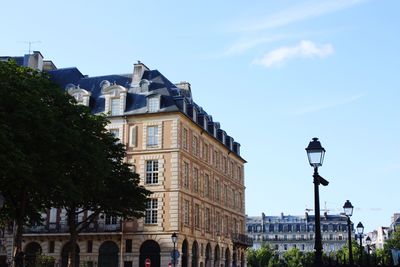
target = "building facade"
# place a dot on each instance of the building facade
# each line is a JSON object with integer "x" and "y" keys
{"x": 286, "y": 231}
{"x": 192, "y": 167}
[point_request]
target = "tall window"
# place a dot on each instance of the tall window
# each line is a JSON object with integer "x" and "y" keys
{"x": 218, "y": 223}
{"x": 154, "y": 104}
{"x": 205, "y": 152}
{"x": 225, "y": 195}
{"x": 185, "y": 138}
{"x": 186, "y": 175}
{"x": 207, "y": 220}
{"x": 195, "y": 180}
{"x": 115, "y": 106}
{"x": 152, "y": 136}
{"x": 151, "y": 172}
{"x": 186, "y": 212}
{"x": 195, "y": 145}
{"x": 110, "y": 219}
{"x": 151, "y": 211}
{"x": 206, "y": 185}
{"x": 217, "y": 190}
{"x": 197, "y": 215}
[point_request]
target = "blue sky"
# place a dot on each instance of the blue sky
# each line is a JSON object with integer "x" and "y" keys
{"x": 274, "y": 73}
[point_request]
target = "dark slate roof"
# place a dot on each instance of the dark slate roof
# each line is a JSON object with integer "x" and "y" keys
{"x": 172, "y": 98}
{"x": 18, "y": 60}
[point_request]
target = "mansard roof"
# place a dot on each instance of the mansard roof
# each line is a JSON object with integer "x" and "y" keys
{"x": 172, "y": 98}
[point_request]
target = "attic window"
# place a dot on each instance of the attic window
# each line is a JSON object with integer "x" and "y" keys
{"x": 81, "y": 96}
{"x": 153, "y": 104}
{"x": 115, "y": 106}
{"x": 144, "y": 85}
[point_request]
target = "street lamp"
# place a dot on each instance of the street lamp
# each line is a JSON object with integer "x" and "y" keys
{"x": 368, "y": 241}
{"x": 316, "y": 153}
{"x": 348, "y": 211}
{"x": 360, "y": 231}
{"x": 174, "y": 238}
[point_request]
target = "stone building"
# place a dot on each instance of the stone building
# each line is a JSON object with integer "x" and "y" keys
{"x": 192, "y": 166}
{"x": 286, "y": 231}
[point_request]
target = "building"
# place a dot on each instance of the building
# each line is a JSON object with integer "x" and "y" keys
{"x": 286, "y": 231}
{"x": 192, "y": 166}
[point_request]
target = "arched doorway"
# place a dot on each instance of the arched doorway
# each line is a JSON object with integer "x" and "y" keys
{"x": 185, "y": 253}
{"x": 195, "y": 254}
{"x": 234, "y": 257}
{"x": 208, "y": 255}
{"x": 227, "y": 257}
{"x": 150, "y": 250}
{"x": 216, "y": 256}
{"x": 108, "y": 254}
{"x": 3, "y": 256}
{"x": 32, "y": 250}
{"x": 65, "y": 253}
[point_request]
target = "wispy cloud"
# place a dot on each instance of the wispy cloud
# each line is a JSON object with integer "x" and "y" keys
{"x": 305, "y": 49}
{"x": 329, "y": 105}
{"x": 296, "y": 14}
{"x": 245, "y": 44}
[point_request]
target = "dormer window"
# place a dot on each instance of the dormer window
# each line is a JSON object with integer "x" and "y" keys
{"x": 144, "y": 85}
{"x": 115, "y": 98}
{"x": 81, "y": 96}
{"x": 194, "y": 114}
{"x": 153, "y": 103}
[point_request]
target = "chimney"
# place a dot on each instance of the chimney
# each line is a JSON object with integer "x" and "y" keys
{"x": 185, "y": 88}
{"x": 34, "y": 61}
{"x": 138, "y": 69}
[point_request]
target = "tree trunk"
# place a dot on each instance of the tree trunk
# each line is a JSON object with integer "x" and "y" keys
{"x": 19, "y": 222}
{"x": 72, "y": 238}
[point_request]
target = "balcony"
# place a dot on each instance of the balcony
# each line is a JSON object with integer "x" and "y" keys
{"x": 54, "y": 228}
{"x": 242, "y": 240}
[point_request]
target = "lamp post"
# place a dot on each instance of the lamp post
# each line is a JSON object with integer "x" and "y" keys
{"x": 174, "y": 238}
{"x": 348, "y": 211}
{"x": 368, "y": 241}
{"x": 316, "y": 153}
{"x": 360, "y": 231}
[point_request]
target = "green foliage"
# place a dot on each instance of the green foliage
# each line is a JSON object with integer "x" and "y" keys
{"x": 260, "y": 257}
{"x": 293, "y": 257}
{"x": 392, "y": 243}
{"x": 44, "y": 261}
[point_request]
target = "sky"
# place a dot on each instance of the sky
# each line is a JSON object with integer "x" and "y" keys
{"x": 275, "y": 74}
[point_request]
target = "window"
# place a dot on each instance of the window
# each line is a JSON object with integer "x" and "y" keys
{"x": 115, "y": 107}
{"x": 206, "y": 185}
{"x": 186, "y": 212}
{"x": 197, "y": 215}
{"x": 218, "y": 223}
{"x": 185, "y": 138}
{"x": 225, "y": 195}
{"x": 115, "y": 133}
{"x": 89, "y": 246}
{"x": 128, "y": 245}
{"x": 133, "y": 136}
{"x": 207, "y": 220}
{"x": 152, "y": 136}
{"x": 285, "y": 247}
{"x": 195, "y": 146}
{"x": 154, "y": 104}
{"x": 195, "y": 180}
{"x": 205, "y": 152}
{"x": 51, "y": 246}
{"x": 152, "y": 172}
{"x": 186, "y": 175}
{"x": 217, "y": 190}
{"x": 53, "y": 215}
{"x": 110, "y": 220}
{"x": 151, "y": 211}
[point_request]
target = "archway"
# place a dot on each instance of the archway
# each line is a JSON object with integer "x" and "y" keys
{"x": 150, "y": 250}
{"x": 208, "y": 255}
{"x": 234, "y": 257}
{"x": 195, "y": 254}
{"x": 65, "y": 253}
{"x": 227, "y": 257}
{"x": 185, "y": 253}
{"x": 216, "y": 256}
{"x": 242, "y": 260}
{"x": 32, "y": 250}
{"x": 108, "y": 254}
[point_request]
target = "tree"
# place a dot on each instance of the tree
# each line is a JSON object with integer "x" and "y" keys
{"x": 392, "y": 243}
{"x": 293, "y": 257}
{"x": 28, "y": 142}
{"x": 261, "y": 256}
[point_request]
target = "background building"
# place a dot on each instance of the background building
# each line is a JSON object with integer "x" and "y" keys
{"x": 191, "y": 165}
{"x": 286, "y": 231}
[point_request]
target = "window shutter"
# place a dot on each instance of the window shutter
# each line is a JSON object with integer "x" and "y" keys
{"x": 133, "y": 136}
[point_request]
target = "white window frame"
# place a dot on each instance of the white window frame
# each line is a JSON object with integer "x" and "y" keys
{"x": 152, "y": 136}
{"x": 152, "y": 168}
{"x": 151, "y": 211}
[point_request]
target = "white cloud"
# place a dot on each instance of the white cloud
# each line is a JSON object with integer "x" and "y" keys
{"x": 296, "y": 14}
{"x": 305, "y": 49}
